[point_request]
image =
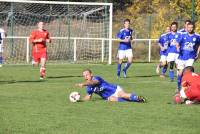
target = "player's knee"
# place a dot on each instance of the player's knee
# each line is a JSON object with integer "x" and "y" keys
{"x": 164, "y": 63}
{"x": 171, "y": 65}
{"x": 112, "y": 98}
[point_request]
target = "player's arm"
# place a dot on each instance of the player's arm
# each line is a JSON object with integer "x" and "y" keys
{"x": 198, "y": 51}
{"x": 48, "y": 40}
{"x": 88, "y": 83}
{"x": 87, "y": 97}
{"x": 120, "y": 39}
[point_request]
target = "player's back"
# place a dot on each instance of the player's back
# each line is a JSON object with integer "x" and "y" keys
{"x": 103, "y": 88}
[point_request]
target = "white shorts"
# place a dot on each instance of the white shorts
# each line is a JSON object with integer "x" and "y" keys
{"x": 182, "y": 94}
{"x": 172, "y": 57}
{"x": 117, "y": 91}
{"x": 163, "y": 58}
{"x": 181, "y": 64}
{"x": 125, "y": 53}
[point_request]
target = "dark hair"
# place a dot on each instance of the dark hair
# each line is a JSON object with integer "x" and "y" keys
{"x": 87, "y": 70}
{"x": 174, "y": 23}
{"x": 127, "y": 20}
{"x": 188, "y": 69}
{"x": 189, "y": 21}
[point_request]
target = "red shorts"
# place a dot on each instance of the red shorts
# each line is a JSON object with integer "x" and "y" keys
{"x": 38, "y": 55}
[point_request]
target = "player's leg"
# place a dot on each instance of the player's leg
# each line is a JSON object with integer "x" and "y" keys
{"x": 129, "y": 55}
{"x": 43, "y": 68}
{"x": 121, "y": 56}
{"x": 164, "y": 65}
{"x": 35, "y": 59}
{"x": 181, "y": 64}
{"x": 171, "y": 62}
{"x": 129, "y": 96}
{"x": 1, "y": 54}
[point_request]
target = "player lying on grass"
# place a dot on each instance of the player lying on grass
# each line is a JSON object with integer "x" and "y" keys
{"x": 107, "y": 91}
{"x": 190, "y": 91}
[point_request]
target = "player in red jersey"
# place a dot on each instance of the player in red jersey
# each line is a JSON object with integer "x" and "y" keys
{"x": 39, "y": 38}
{"x": 190, "y": 90}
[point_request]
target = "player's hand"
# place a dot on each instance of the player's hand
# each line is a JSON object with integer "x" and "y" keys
{"x": 79, "y": 85}
{"x": 162, "y": 48}
{"x": 126, "y": 40}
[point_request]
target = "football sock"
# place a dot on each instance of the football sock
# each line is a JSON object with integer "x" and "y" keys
{"x": 42, "y": 71}
{"x": 118, "y": 69}
{"x": 134, "y": 98}
{"x": 179, "y": 82}
{"x": 164, "y": 69}
{"x": 122, "y": 99}
{"x": 171, "y": 74}
{"x": 127, "y": 65}
{"x": 1, "y": 60}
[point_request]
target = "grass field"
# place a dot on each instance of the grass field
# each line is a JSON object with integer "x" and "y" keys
{"x": 31, "y": 106}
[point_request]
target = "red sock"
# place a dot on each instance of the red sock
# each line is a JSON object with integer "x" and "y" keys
{"x": 42, "y": 71}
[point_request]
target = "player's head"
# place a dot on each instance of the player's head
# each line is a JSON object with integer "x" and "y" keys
{"x": 40, "y": 25}
{"x": 190, "y": 27}
{"x": 174, "y": 26}
{"x": 188, "y": 69}
{"x": 168, "y": 29}
{"x": 186, "y": 23}
{"x": 126, "y": 23}
{"x": 87, "y": 74}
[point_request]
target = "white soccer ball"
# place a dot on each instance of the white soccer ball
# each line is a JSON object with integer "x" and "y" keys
{"x": 74, "y": 96}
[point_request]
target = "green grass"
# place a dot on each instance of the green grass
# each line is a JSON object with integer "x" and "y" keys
{"x": 30, "y": 106}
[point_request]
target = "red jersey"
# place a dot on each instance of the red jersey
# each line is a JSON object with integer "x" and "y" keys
{"x": 191, "y": 81}
{"x": 39, "y": 46}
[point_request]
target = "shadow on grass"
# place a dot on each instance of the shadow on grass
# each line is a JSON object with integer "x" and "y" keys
{"x": 16, "y": 81}
{"x": 154, "y": 75}
{"x": 60, "y": 77}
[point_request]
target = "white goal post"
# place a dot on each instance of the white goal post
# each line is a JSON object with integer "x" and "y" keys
{"x": 79, "y": 26}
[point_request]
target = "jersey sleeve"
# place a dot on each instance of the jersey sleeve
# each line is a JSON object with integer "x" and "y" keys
{"x": 119, "y": 34}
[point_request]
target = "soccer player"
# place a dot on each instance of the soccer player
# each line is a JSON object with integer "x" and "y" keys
{"x": 2, "y": 36}
{"x": 107, "y": 91}
{"x": 124, "y": 49}
{"x": 39, "y": 38}
{"x": 189, "y": 48}
{"x": 174, "y": 39}
{"x": 190, "y": 91}
{"x": 163, "y": 43}
{"x": 183, "y": 30}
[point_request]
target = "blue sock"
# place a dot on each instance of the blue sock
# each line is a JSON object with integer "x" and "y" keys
{"x": 122, "y": 99}
{"x": 171, "y": 74}
{"x": 164, "y": 69}
{"x": 127, "y": 66}
{"x": 118, "y": 69}
{"x": 1, "y": 60}
{"x": 134, "y": 98}
{"x": 179, "y": 82}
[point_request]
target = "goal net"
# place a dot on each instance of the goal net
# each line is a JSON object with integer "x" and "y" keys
{"x": 80, "y": 31}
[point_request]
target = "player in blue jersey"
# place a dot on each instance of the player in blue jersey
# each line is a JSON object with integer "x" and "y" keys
{"x": 174, "y": 39}
{"x": 189, "y": 48}
{"x": 183, "y": 30}
{"x": 124, "y": 49}
{"x": 107, "y": 91}
{"x": 163, "y": 43}
{"x": 2, "y": 36}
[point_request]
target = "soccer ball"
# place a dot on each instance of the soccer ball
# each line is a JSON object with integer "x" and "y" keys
{"x": 74, "y": 96}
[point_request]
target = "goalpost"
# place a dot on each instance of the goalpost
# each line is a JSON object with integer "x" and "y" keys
{"x": 81, "y": 31}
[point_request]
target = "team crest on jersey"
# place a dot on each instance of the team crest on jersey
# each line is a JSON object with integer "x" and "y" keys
{"x": 194, "y": 39}
{"x": 176, "y": 36}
